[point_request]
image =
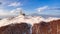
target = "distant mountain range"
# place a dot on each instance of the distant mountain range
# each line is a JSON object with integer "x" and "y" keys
{"x": 34, "y": 14}
{"x": 44, "y": 15}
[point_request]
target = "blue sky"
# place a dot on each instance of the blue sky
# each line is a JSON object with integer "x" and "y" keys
{"x": 12, "y": 7}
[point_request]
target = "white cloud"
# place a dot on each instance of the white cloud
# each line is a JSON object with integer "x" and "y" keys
{"x": 10, "y": 13}
{"x": 17, "y": 10}
{"x": 3, "y": 13}
{"x": 15, "y": 4}
{"x": 42, "y": 8}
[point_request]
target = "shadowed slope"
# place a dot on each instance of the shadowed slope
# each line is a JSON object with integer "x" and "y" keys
{"x": 15, "y": 29}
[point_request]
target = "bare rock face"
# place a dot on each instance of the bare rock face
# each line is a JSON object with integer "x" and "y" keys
{"x": 22, "y": 28}
{"x": 55, "y": 27}
{"x": 52, "y": 27}
{"x": 40, "y": 28}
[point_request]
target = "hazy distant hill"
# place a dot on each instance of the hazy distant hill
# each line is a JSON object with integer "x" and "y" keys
{"x": 44, "y": 15}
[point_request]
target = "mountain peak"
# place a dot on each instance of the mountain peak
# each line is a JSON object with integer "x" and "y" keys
{"x": 27, "y": 19}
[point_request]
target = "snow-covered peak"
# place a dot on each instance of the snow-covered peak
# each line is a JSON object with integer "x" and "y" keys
{"x": 27, "y": 19}
{"x": 51, "y": 19}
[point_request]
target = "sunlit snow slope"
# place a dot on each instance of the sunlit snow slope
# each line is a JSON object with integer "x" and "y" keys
{"x": 27, "y": 19}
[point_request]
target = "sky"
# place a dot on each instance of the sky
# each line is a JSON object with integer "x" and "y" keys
{"x": 13, "y": 7}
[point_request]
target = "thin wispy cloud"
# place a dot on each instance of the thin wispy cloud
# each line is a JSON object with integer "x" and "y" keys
{"x": 47, "y": 8}
{"x": 15, "y": 4}
{"x": 42, "y": 8}
{"x": 54, "y": 8}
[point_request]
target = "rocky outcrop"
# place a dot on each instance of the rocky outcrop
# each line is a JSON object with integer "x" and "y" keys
{"x": 22, "y": 28}
{"x": 52, "y": 27}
